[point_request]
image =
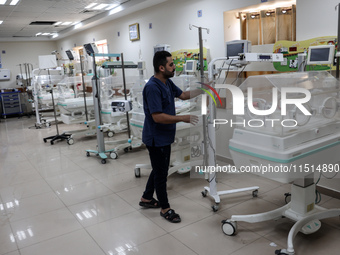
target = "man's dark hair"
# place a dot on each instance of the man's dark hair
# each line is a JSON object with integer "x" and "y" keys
{"x": 159, "y": 59}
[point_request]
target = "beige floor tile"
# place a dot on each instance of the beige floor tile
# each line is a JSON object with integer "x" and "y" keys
{"x": 26, "y": 189}
{"x": 100, "y": 209}
{"x": 206, "y": 237}
{"x": 124, "y": 181}
{"x": 7, "y": 240}
{"x": 165, "y": 245}
{"x": 78, "y": 242}
{"x": 31, "y": 206}
{"x": 124, "y": 232}
{"x": 261, "y": 246}
{"x": 82, "y": 192}
{"x": 67, "y": 180}
{"x": 42, "y": 227}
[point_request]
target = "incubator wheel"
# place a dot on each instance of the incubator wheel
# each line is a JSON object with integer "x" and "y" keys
{"x": 70, "y": 141}
{"x": 229, "y": 227}
{"x": 204, "y": 193}
{"x": 87, "y": 154}
{"x": 47, "y": 124}
{"x": 103, "y": 161}
{"x": 45, "y": 140}
{"x": 126, "y": 149}
{"x": 113, "y": 155}
{"x": 215, "y": 207}
{"x": 288, "y": 197}
{"x": 110, "y": 134}
{"x": 255, "y": 192}
{"x": 281, "y": 252}
{"x": 52, "y": 142}
{"x": 137, "y": 172}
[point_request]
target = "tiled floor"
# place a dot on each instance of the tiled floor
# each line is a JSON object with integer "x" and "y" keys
{"x": 56, "y": 201}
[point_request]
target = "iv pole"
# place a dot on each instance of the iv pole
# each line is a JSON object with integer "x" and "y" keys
{"x": 205, "y": 145}
{"x": 209, "y": 141}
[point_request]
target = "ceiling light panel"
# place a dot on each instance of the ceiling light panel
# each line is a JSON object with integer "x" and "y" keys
{"x": 89, "y": 6}
{"x": 14, "y": 2}
{"x": 100, "y": 6}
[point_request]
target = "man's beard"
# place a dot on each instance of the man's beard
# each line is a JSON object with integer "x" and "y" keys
{"x": 168, "y": 74}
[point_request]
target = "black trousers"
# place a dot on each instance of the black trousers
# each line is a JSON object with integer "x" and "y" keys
{"x": 160, "y": 160}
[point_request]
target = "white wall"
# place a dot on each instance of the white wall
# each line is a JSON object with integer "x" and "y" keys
{"x": 19, "y": 53}
{"x": 170, "y": 25}
{"x": 316, "y": 18}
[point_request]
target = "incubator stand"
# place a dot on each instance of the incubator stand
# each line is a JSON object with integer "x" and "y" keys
{"x": 42, "y": 94}
{"x": 114, "y": 89}
{"x": 312, "y": 142}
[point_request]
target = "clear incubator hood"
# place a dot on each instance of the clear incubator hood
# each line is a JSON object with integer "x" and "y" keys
{"x": 285, "y": 98}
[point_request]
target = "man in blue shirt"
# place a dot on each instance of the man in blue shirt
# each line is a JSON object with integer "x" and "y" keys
{"x": 160, "y": 128}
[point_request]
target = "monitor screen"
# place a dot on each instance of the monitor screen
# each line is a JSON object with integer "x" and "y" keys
{"x": 190, "y": 66}
{"x": 91, "y": 48}
{"x": 320, "y": 55}
{"x": 69, "y": 55}
{"x": 234, "y": 49}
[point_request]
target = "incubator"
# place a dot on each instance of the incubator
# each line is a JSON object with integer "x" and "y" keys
{"x": 295, "y": 137}
{"x": 73, "y": 109}
{"x": 293, "y": 148}
{"x": 43, "y": 83}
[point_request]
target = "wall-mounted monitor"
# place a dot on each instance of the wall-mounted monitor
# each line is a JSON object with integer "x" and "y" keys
{"x": 320, "y": 55}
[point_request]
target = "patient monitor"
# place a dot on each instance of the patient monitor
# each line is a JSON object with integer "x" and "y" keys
{"x": 320, "y": 55}
{"x": 235, "y": 50}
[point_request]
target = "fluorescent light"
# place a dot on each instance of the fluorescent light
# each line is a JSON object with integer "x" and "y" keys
{"x": 78, "y": 25}
{"x": 100, "y": 6}
{"x": 66, "y": 23}
{"x": 75, "y": 23}
{"x": 1, "y": 21}
{"x": 3, "y": 1}
{"x": 112, "y": 6}
{"x": 55, "y": 35}
{"x": 57, "y": 23}
{"x": 89, "y": 6}
{"x": 38, "y": 34}
{"x": 45, "y": 34}
{"x": 115, "y": 10}
{"x": 14, "y": 2}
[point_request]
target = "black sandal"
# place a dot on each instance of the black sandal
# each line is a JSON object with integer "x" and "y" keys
{"x": 151, "y": 204}
{"x": 171, "y": 216}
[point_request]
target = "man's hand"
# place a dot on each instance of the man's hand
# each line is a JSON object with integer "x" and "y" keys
{"x": 192, "y": 119}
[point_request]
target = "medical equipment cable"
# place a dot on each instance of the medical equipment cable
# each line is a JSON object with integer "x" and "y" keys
{"x": 238, "y": 76}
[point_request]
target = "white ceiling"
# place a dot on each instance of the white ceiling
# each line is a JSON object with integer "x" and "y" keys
{"x": 16, "y": 19}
